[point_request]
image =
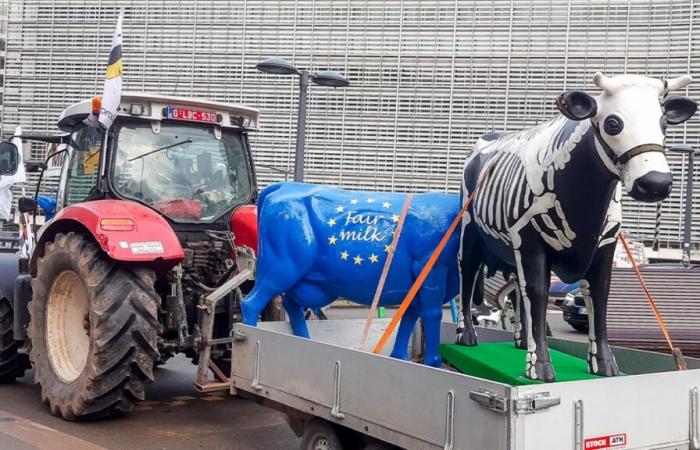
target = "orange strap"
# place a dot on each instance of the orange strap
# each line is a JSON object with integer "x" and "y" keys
{"x": 678, "y": 356}
{"x": 385, "y": 270}
{"x": 428, "y": 266}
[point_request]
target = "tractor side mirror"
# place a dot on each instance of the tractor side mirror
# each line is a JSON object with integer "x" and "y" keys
{"x": 26, "y": 204}
{"x": 9, "y": 158}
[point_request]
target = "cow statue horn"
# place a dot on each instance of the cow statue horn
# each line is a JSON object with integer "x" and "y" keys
{"x": 605, "y": 83}
{"x": 675, "y": 84}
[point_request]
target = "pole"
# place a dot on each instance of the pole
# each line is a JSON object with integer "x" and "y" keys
{"x": 301, "y": 126}
{"x": 688, "y": 208}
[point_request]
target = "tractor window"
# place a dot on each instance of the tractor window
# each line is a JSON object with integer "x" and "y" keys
{"x": 86, "y": 143}
{"x": 187, "y": 172}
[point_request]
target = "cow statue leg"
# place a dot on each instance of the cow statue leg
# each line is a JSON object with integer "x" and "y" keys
{"x": 533, "y": 276}
{"x": 408, "y": 323}
{"x": 594, "y": 288}
{"x": 470, "y": 265}
{"x": 432, "y": 296}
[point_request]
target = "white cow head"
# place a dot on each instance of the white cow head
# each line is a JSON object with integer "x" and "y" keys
{"x": 630, "y": 118}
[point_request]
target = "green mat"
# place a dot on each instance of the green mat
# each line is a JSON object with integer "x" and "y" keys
{"x": 502, "y": 362}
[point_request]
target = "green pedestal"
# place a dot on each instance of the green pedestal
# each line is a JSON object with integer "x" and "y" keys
{"x": 503, "y": 363}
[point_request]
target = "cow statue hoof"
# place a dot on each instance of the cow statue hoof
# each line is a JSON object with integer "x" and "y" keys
{"x": 467, "y": 337}
{"x": 602, "y": 365}
{"x": 538, "y": 369}
{"x": 432, "y": 361}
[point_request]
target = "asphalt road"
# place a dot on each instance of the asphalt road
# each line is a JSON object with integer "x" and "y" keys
{"x": 174, "y": 415}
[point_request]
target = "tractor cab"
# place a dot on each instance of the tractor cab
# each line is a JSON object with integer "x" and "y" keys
{"x": 187, "y": 159}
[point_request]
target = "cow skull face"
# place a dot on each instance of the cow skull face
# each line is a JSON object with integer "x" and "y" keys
{"x": 630, "y": 123}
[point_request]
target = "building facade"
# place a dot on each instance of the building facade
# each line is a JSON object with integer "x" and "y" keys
{"x": 427, "y": 76}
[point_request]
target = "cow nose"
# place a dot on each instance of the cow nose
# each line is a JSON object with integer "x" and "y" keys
{"x": 652, "y": 187}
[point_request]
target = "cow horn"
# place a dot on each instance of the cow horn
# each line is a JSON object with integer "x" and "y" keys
{"x": 675, "y": 84}
{"x": 605, "y": 83}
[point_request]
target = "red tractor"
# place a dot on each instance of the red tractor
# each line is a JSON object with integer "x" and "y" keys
{"x": 149, "y": 252}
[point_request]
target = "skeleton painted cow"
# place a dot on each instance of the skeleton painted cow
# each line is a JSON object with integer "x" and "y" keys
{"x": 550, "y": 201}
{"x": 318, "y": 243}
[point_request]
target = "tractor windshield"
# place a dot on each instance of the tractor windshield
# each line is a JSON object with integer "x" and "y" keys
{"x": 187, "y": 172}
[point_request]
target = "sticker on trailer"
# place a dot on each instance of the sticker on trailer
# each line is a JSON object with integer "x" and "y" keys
{"x": 146, "y": 248}
{"x": 605, "y": 442}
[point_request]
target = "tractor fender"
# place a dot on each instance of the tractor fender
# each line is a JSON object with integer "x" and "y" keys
{"x": 139, "y": 235}
{"x": 244, "y": 224}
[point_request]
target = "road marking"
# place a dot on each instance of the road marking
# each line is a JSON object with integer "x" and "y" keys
{"x": 40, "y": 436}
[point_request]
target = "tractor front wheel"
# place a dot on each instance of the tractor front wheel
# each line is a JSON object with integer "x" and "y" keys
{"x": 93, "y": 329}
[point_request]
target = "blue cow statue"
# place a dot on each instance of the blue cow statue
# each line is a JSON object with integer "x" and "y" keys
{"x": 318, "y": 243}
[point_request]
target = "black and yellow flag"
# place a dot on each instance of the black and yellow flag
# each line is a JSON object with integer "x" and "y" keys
{"x": 112, "y": 94}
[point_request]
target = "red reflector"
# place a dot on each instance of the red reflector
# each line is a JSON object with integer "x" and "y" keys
{"x": 194, "y": 115}
{"x": 117, "y": 224}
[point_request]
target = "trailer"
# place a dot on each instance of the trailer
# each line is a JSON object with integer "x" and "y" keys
{"x": 336, "y": 396}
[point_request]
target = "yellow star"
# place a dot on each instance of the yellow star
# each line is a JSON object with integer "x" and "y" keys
{"x": 353, "y": 201}
{"x": 331, "y": 222}
{"x": 374, "y": 258}
{"x": 332, "y": 239}
{"x": 340, "y": 209}
{"x": 386, "y": 205}
{"x": 344, "y": 255}
{"x": 387, "y": 248}
{"x": 358, "y": 260}
{"x": 370, "y": 200}
{"x": 395, "y": 217}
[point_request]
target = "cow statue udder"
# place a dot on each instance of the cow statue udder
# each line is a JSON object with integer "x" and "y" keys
{"x": 550, "y": 201}
{"x": 317, "y": 244}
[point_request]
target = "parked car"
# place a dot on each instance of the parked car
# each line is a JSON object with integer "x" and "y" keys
{"x": 574, "y": 308}
{"x": 558, "y": 290}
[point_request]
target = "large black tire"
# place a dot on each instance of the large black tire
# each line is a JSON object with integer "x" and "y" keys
{"x": 120, "y": 322}
{"x": 12, "y": 364}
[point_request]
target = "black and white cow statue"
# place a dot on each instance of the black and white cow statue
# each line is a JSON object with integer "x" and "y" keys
{"x": 550, "y": 201}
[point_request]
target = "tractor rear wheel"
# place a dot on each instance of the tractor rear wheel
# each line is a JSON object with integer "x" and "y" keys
{"x": 12, "y": 364}
{"x": 94, "y": 330}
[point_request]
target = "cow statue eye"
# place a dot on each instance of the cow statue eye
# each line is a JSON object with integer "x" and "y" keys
{"x": 613, "y": 125}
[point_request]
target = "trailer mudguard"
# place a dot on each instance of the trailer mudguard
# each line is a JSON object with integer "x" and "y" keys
{"x": 126, "y": 231}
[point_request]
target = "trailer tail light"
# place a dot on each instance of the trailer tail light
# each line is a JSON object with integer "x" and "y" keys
{"x": 117, "y": 224}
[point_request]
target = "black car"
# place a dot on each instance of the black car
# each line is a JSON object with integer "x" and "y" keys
{"x": 575, "y": 313}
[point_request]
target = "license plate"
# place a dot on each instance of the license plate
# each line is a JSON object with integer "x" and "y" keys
{"x": 582, "y": 310}
{"x": 193, "y": 115}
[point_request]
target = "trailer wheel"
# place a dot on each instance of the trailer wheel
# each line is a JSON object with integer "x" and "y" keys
{"x": 12, "y": 364}
{"x": 320, "y": 435}
{"x": 93, "y": 329}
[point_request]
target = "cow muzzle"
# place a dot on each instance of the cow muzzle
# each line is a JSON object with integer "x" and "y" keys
{"x": 652, "y": 187}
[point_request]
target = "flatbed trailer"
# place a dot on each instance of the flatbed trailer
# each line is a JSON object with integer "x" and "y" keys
{"x": 328, "y": 388}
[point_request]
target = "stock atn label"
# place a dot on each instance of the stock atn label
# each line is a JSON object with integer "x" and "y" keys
{"x": 605, "y": 442}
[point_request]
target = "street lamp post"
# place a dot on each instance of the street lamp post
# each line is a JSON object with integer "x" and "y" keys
{"x": 278, "y": 66}
{"x": 688, "y": 198}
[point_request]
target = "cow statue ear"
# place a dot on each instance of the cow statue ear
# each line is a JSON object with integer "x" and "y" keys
{"x": 577, "y": 105}
{"x": 678, "y": 109}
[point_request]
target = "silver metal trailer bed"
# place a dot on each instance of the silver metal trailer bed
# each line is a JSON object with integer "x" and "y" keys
{"x": 326, "y": 384}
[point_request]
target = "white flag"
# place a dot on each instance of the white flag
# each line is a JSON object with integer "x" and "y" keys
{"x": 112, "y": 94}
